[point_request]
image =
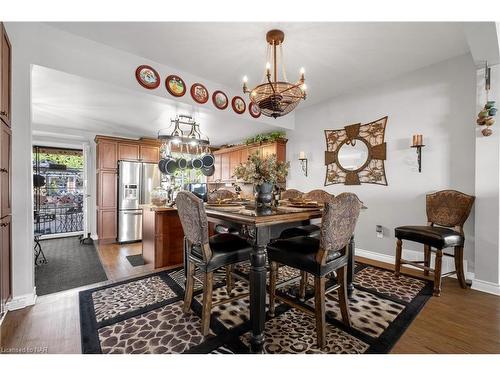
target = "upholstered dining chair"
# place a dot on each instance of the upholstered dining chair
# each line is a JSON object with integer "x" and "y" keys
{"x": 206, "y": 253}
{"x": 319, "y": 257}
{"x": 291, "y": 194}
{"x": 447, "y": 211}
{"x": 319, "y": 196}
{"x": 219, "y": 195}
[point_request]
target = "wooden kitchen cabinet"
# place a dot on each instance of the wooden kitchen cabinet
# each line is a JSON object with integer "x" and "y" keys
{"x": 107, "y": 155}
{"x": 107, "y": 220}
{"x": 226, "y": 159}
{"x": 234, "y": 161}
{"x": 128, "y": 151}
{"x": 5, "y": 76}
{"x": 225, "y": 172}
{"x": 5, "y": 171}
{"x": 107, "y": 187}
{"x": 149, "y": 154}
{"x": 5, "y": 262}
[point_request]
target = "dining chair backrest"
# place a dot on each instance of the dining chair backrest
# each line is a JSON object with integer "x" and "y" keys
{"x": 220, "y": 194}
{"x": 448, "y": 208}
{"x": 319, "y": 196}
{"x": 339, "y": 221}
{"x": 291, "y": 194}
{"x": 193, "y": 218}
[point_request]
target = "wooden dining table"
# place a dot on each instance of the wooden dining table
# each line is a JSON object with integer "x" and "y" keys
{"x": 260, "y": 227}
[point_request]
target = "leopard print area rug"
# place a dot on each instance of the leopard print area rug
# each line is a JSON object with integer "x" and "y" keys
{"x": 144, "y": 315}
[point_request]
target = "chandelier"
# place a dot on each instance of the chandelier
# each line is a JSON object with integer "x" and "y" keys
{"x": 275, "y": 96}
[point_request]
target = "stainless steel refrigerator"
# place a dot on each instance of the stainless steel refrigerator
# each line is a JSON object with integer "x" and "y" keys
{"x": 135, "y": 182}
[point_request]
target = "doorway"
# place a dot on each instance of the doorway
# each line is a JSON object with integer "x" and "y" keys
{"x": 64, "y": 258}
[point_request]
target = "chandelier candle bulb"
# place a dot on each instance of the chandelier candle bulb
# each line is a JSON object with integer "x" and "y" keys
{"x": 302, "y": 155}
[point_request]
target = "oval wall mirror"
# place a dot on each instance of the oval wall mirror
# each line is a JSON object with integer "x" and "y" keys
{"x": 353, "y": 157}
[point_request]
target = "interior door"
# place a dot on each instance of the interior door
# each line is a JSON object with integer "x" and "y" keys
{"x": 5, "y": 168}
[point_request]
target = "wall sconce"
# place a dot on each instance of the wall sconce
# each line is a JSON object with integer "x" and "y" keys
{"x": 303, "y": 162}
{"x": 418, "y": 143}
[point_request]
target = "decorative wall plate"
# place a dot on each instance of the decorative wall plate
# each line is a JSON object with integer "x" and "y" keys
{"x": 220, "y": 99}
{"x": 356, "y": 154}
{"x": 199, "y": 93}
{"x": 175, "y": 85}
{"x": 238, "y": 104}
{"x": 147, "y": 77}
{"x": 254, "y": 110}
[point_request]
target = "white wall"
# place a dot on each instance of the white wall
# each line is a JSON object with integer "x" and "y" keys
{"x": 487, "y": 193}
{"x": 437, "y": 101}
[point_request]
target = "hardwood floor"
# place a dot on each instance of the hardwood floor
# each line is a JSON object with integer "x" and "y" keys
{"x": 115, "y": 263}
{"x": 460, "y": 321}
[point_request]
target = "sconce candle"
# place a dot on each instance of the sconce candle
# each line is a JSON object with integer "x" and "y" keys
{"x": 303, "y": 162}
{"x": 418, "y": 140}
{"x": 418, "y": 143}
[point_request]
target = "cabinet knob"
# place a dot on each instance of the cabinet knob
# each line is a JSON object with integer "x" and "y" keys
{"x": 3, "y": 113}
{"x": 4, "y": 224}
{"x": 4, "y": 170}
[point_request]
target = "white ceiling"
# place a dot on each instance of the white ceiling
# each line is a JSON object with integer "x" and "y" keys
{"x": 71, "y": 107}
{"x": 337, "y": 56}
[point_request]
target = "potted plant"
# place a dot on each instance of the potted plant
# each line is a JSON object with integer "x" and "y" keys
{"x": 263, "y": 173}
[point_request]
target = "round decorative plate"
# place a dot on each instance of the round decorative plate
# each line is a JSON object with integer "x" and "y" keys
{"x": 220, "y": 99}
{"x": 238, "y": 105}
{"x": 147, "y": 77}
{"x": 199, "y": 93}
{"x": 254, "y": 110}
{"x": 175, "y": 85}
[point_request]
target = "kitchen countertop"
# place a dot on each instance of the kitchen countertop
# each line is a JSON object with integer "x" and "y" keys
{"x": 152, "y": 207}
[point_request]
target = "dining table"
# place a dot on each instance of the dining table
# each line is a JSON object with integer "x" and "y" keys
{"x": 260, "y": 227}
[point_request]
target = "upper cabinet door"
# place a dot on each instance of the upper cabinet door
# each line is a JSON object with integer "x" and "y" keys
{"x": 107, "y": 155}
{"x": 128, "y": 151}
{"x": 5, "y": 77}
{"x": 150, "y": 154}
{"x": 234, "y": 161}
{"x": 5, "y": 169}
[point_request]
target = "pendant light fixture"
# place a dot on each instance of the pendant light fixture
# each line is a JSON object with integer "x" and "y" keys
{"x": 275, "y": 96}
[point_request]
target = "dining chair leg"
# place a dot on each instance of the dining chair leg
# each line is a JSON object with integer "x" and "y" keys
{"x": 427, "y": 258}
{"x": 272, "y": 287}
{"x": 399, "y": 249}
{"x": 319, "y": 302}
{"x": 302, "y": 285}
{"x": 188, "y": 292}
{"x": 437, "y": 272}
{"x": 342, "y": 293}
{"x": 207, "y": 303}
{"x": 459, "y": 266}
{"x": 229, "y": 278}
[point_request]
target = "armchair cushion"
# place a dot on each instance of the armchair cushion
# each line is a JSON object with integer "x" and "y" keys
{"x": 300, "y": 253}
{"x": 437, "y": 237}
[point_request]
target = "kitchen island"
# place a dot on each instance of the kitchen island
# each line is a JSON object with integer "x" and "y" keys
{"x": 162, "y": 236}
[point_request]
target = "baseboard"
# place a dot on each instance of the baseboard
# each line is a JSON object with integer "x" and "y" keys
{"x": 448, "y": 264}
{"x": 486, "y": 286}
{"x": 22, "y": 301}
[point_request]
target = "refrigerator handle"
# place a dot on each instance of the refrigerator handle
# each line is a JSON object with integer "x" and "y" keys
{"x": 141, "y": 183}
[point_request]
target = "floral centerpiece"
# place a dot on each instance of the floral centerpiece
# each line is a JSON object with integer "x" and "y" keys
{"x": 263, "y": 173}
